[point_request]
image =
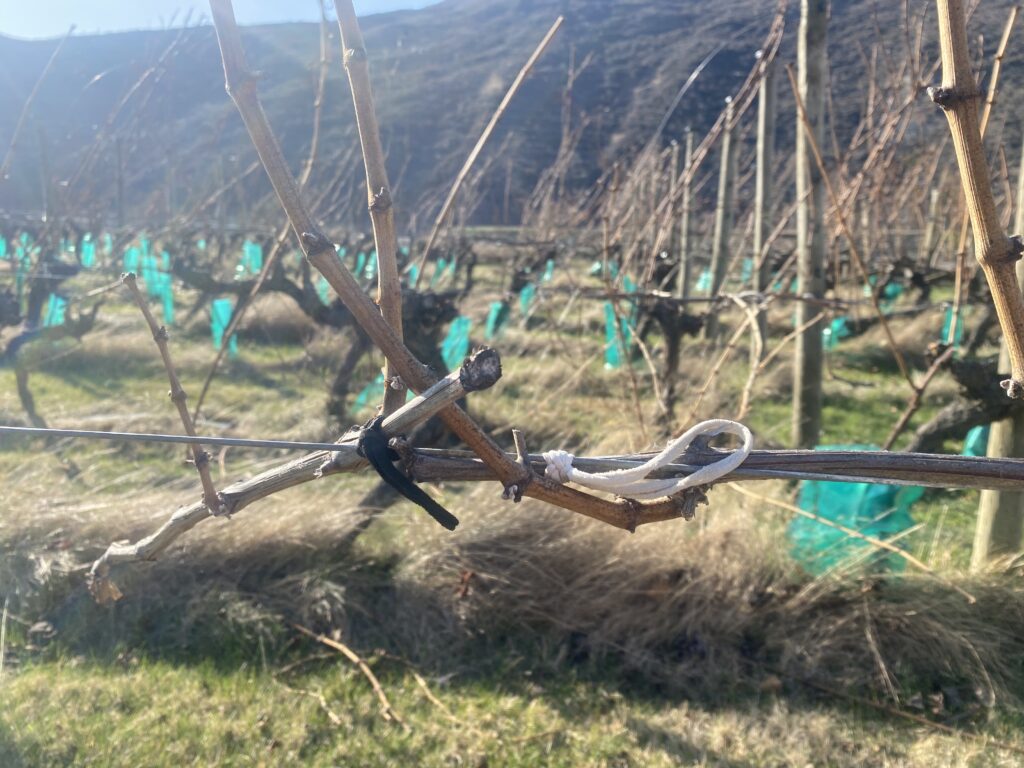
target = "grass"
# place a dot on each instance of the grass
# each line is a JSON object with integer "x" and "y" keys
{"x": 154, "y": 713}
{"x": 548, "y": 640}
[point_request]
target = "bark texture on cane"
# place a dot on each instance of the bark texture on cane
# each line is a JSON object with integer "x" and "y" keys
{"x": 320, "y": 253}
{"x": 997, "y": 253}
{"x": 389, "y": 288}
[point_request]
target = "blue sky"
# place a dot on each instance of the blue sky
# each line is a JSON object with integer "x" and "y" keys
{"x": 51, "y": 18}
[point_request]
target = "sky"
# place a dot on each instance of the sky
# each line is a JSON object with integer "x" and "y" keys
{"x": 51, "y": 18}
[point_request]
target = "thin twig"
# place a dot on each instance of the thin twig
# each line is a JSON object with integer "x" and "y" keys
{"x": 213, "y": 500}
{"x": 786, "y": 339}
{"x": 917, "y": 398}
{"x": 729, "y": 347}
{"x": 27, "y": 107}
{"x": 387, "y": 711}
{"x": 319, "y": 698}
{"x": 488, "y": 130}
{"x": 883, "y": 669}
{"x": 282, "y": 236}
{"x": 241, "y": 86}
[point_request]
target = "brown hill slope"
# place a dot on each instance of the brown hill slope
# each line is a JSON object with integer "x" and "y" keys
{"x": 438, "y": 74}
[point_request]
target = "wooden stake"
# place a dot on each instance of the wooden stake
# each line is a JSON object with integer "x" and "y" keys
{"x": 763, "y": 182}
{"x": 683, "y": 275}
{"x": 723, "y": 218}
{"x": 810, "y": 227}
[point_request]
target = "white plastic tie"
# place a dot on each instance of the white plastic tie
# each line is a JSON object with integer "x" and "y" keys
{"x": 633, "y": 483}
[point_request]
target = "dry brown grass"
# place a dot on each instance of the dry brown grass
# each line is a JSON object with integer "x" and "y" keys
{"x": 716, "y": 606}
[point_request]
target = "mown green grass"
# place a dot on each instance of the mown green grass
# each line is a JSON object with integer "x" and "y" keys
{"x": 77, "y": 712}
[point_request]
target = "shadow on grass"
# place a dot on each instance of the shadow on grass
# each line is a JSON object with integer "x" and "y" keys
{"x": 226, "y": 610}
{"x": 11, "y": 750}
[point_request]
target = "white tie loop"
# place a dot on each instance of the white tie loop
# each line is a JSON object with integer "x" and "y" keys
{"x": 633, "y": 483}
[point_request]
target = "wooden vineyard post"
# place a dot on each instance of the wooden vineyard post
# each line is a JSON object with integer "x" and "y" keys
{"x": 1001, "y": 513}
{"x": 810, "y": 225}
{"x": 763, "y": 182}
{"x": 723, "y": 218}
{"x": 119, "y": 181}
{"x": 683, "y": 275}
{"x": 673, "y": 188}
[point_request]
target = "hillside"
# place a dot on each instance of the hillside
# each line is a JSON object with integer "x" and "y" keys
{"x": 438, "y": 74}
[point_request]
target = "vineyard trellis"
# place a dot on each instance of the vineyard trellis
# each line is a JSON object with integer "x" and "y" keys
{"x": 522, "y": 473}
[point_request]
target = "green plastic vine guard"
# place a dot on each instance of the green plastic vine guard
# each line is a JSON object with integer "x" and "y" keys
{"x": 3, "y": 249}
{"x": 251, "y": 262}
{"x": 619, "y": 341}
{"x": 634, "y": 309}
{"x": 360, "y": 264}
{"x": 165, "y": 292}
{"x": 131, "y": 259}
{"x": 371, "y": 266}
{"x": 497, "y": 317}
{"x": 874, "y": 509}
{"x": 439, "y": 270}
{"x": 526, "y": 297}
{"x": 363, "y": 399}
{"x": 151, "y": 276}
{"x": 613, "y": 351}
{"x": 947, "y": 320}
{"x": 746, "y": 270}
{"x": 549, "y": 271}
{"x": 976, "y": 442}
{"x": 597, "y": 269}
{"x": 108, "y": 244}
{"x": 21, "y": 271}
{"x": 455, "y": 347}
{"x": 836, "y": 331}
{"x": 220, "y": 316}
{"x": 777, "y": 286}
{"x": 56, "y": 311}
{"x": 704, "y": 281}
{"x": 323, "y": 290}
{"x": 87, "y": 257}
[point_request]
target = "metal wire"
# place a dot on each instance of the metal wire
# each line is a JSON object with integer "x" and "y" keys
{"x": 147, "y": 437}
